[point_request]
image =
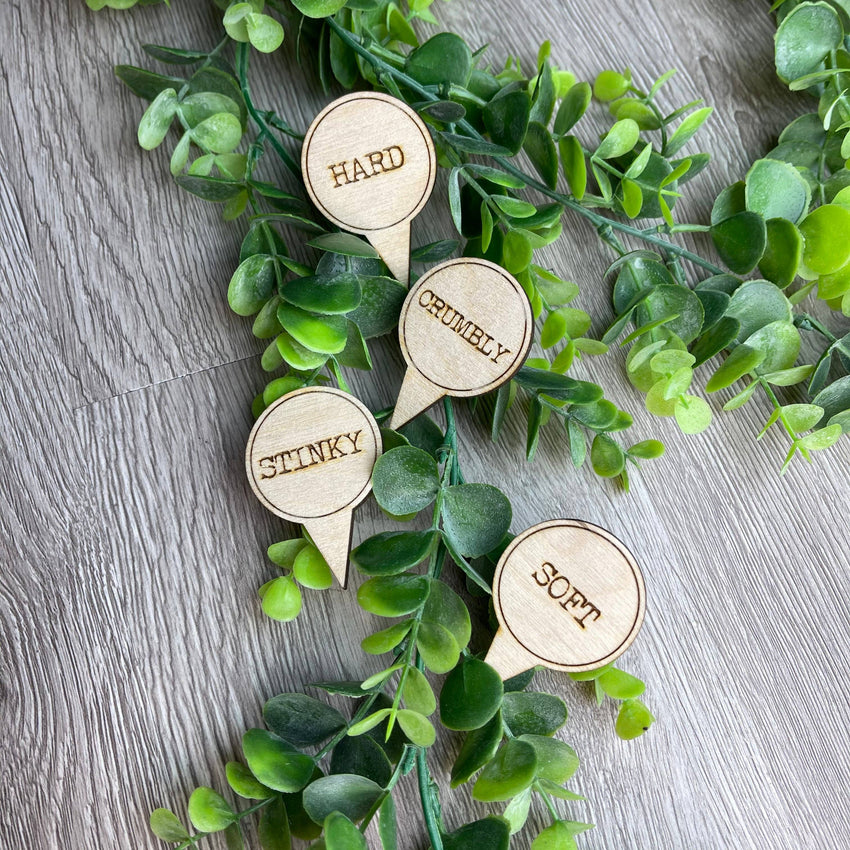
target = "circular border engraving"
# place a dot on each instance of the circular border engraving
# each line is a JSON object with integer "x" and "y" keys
{"x": 410, "y": 115}
{"x": 457, "y": 266}
{"x": 368, "y": 422}
{"x": 624, "y": 555}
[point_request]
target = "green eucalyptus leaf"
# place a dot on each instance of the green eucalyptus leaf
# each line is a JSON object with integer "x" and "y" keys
{"x": 471, "y": 695}
{"x": 275, "y": 762}
{"x": 209, "y": 811}
{"x": 244, "y": 783}
{"x": 540, "y": 147}
{"x": 393, "y": 596}
{"x": 556, "y": 761}
{"x": 530, "y": 713}
{"x": 834, "y": 398}
{"x": 328, "y": 295}
{"x": 405, "y": 480}
{"x": 380, "y": 304}
{"x": 783, "y": 252}
{"x": 741, "y": 240}
{"x": 804, "y": 37}
{"x": 506, "y": 118}
{"x": 445, "y": 608}
{"x": 341, "y": 834}
{"x": 475, "y": 517}
{"x": 572, "y": 107}
{"x": 318, "y": 8}
{"x": 166, "y": 826}
{"x": 490, "y": 833}
{"x": 347, "y": 793}
{"x": 826, "y": 238}
{"x": 418, "y": 728}
{"x": 444, "y": 58}
{"x": 321, "y": 334}
{"x": 361, "y": 755}
{"x": 437, "y": 647}
{"x": 687, "y": 130}
{"x": 619, "y": 140}
{"x": 606, "y": 456}
{"x": 479, "y": 747}
{"x": 510, "y": 772}
{"x": 740, "y": 362}
{"x": 301, "y": 720}
{"x": 392, "y": 552}
{"x": 157, "y": 119}
{"x": 755, "y": 304}
{"x": 633, "y": 719}
{"x": 775, "y": 189}
{"x": 281, "y": 599}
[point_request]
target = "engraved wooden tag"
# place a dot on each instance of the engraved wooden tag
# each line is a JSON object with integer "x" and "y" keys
{"x": 309, "y": 460}
{"x": 369, "y": 165}
{"x": 465, "y": 329}
{"x": 567, "y": 595}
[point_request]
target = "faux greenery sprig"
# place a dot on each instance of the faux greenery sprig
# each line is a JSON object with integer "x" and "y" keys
{"x": 790, "y": 218}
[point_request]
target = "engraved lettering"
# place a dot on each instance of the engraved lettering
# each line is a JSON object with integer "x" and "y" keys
{"x": 576, "y": 603}
{"x": 394, "y": 165}
{"x": 358, "y": 171}
{"x": 465, "y": 328}
{"x": 501, "y": 350}
{"x": 310, "y": 454}
{"x": 366, "y": 165}
{"x": 353, "y": 438}
{"x": 376, "y": 158}
{"x": 338, "y": 171}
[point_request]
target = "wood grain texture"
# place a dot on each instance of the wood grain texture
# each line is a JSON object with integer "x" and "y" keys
{"x": 465, "y": 329}
{"x": 134, "y": 649}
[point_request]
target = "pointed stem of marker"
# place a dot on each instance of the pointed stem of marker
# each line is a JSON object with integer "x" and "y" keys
{"x": 417, "y": 393}
{"x": 394, "y": 247}
{"x": 332, "y": 536}
{"x": 507, "y": 657}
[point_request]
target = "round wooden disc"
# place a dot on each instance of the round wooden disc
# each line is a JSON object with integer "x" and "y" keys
{"x": 311, "y": 453}
{"x": 466, "y": 326}
{"x": 368, "y": 162}
{"x": 569, "y": 594}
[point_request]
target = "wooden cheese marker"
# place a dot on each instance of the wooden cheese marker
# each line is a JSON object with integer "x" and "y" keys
{"x": 309, "y": 460}
{"x": 465, "y": 328}
{"x": 369, "y": 165}
{"x": 568, "y": 595}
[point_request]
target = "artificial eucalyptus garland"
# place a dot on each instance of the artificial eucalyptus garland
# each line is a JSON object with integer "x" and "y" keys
{"x": 315, "y": 773}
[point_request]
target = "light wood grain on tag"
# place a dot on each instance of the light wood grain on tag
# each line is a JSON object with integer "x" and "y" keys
{"x": 309, "y": 460}
{"x": 568, "y": 595}
{"x": 465, "y": 328}
{"x": 369, "y": 165}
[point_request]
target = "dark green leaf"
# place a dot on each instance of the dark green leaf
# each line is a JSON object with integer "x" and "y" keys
{"x": 556, "y": 761}
{"x": 530, "y": 713}
{"x": 252, "y": 284}
{"x": 346, "y": 244}
{"x": 572, "y": 107}
{"x": 475, "y": 517}
{"x": 490, "y": 833}
{"x": 393, "y": 596}
{"x": 740, "y": 241}
{"x": 146, "y": 84}
{"x": 509, "y": 773}
{"x": 301, "y": 720}
{"x": 444, "y": 58}
{"x": 380, "y": 304}
{"x": 506, "y": 118}
{"x": 392, "y": 552}
{"x": 471, "y": 695}
{"x": 479, "y": 747}
{"x": 348, "y": 793}
{"x": 342, "y": 834}
{"x": 405, "y": 480}
{"x": 541, "y": 151}
{"x": 338, "y": 294}
{"x": 363, "y": 756}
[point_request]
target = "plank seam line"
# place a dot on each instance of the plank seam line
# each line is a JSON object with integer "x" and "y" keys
{"x": 163, "y": 381}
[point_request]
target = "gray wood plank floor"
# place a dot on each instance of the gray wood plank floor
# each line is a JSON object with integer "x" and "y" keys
{"x": 133, "y": 648}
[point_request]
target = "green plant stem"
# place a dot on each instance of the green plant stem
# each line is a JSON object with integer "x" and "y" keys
{"x": 468, "y": 130}
{"x": 396, "y": 775}
{"x": 809, "y": 323}
{"x": 432, "y": 825}
{"x": 778, "y": 406}
{"x": 242, "y": 54}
